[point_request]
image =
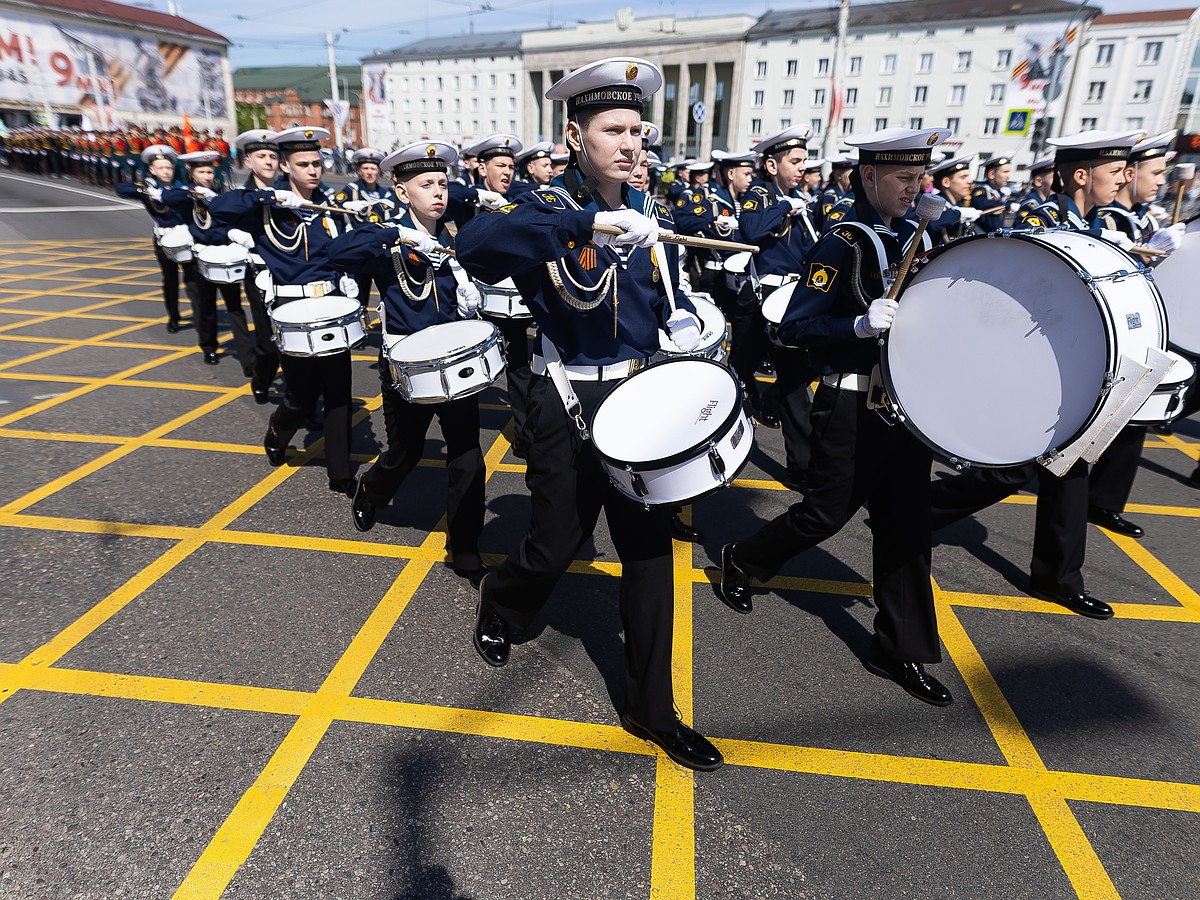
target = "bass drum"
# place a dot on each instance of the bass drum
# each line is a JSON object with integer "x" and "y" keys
{"x": 1176, "y": 278}
{"x": 1004, "y": 346}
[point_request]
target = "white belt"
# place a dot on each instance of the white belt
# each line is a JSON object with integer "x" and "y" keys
{"x": 851, "y": 382}
{"x": 714, "y": 265}
{"x": 611, "y": 372}
{"x": 312, "y": 289}
{"x": 777, "y": 280}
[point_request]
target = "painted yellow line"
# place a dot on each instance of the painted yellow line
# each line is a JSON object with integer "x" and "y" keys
{"x": 1074, "y": 851}
{"x": 1149, "y": 563}
{"x": 1153, "y": 612}
{"x": 1175, "y": 441}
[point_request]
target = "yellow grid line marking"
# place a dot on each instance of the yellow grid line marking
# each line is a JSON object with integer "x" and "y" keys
{"x": 1149, "y": 563}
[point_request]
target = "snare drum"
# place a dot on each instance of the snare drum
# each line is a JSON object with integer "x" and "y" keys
{"x": 713, "y": 334}
{"x": 1176, "y": 278}
{"x": 1166, "y": 403}
{"x": 736, "y": 268}
{"x": 445, "y": 362}
{"x": 222, "y": 263}
{"x": 1004, "y": 346}
{"x": 503, "y": 300}
{"x": 318, "y": 326}
{"x": 176, "y": 243}
{"x": 675, "y": 451}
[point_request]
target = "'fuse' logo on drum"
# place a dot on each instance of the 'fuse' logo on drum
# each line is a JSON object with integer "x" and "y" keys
{"x": 707, "y": 410}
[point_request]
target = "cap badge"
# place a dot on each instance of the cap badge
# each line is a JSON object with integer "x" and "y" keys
{"x": 631, "y": 71}
{"x": 933, "y": 139}
{"x": 431, "y": 151}
{"x": 308, "y": 133}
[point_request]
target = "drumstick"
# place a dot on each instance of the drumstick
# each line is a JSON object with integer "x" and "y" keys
{"x": 686, "y": 240}
{"x": 1143, "y": 250}
{"x": 440, "y": 249}
{"x": 928, "y": 209}
{"x": 1184, "y": 172}
{"x": 995, "y": 210}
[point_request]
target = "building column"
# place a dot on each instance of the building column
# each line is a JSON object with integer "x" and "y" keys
{"x": 547, "y": 110}
{"x": 682, "y": 110}
{"x": 710, "y": 102}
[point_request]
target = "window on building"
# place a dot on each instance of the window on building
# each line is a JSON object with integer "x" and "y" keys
{"x": 1087, "y": 124}
{"x": 884, "y": 97}
{"x": 887, "y": 65}
{"x": 1095, "y": 92}
{"x": 962, "y": 61}
{"x": 1151, "y": 52}
{"x": 880, "y": 123}
{"x": 474, "y": 104}
{"x": 991, "y": 126}
{"x": 920, "y": 94}
{"x": 847, "y": 126}
{"x": 760, "y": 70}
{"x": 424, "y": 106}
{"x": 756, "y": 126}
{"x": 438, "y": 81}
{"x": 1141, "y": 90}
{"x": 856, "y": 65}
{"x": 1003, "y": 59}
{"x": 491, "y": 104}
{"x": 954, "y": 124}
{"x": 474, "y": 81}
{"x": 789, "y": 97}
{"x": 491, "y": 81}
{"x": 512, "y": 104}
{"x": 792, "y": 66}
{"x": 958, "y": 94}
{"x": 458, "y": 104}
{"x": 785, "y": 123}
{"x": 817, "y": 125}
{"x": 1134, "y": 123}
{"x": 1104, "y": 54}
{"x": 818, "y": 97}
{"x": 851, "y": 96}
{"x": 996, "y": 94}
{"x": 916, "y": 122}
{"x": 823, "y": 66}
{"x": 925, "y": 62}
{"x": 404, "y": 87}
{"x": 421, "y": 84}
{"x": 455, "y": 82}
{"x": 440, "y": 103}
{"x": 760, "y": 97}
{"x": 512, "y": 79}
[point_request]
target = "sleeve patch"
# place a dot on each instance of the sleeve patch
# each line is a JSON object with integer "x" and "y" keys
{"x": 835, "y": 216}
{"x": 699, "y": 210}
{"x": 820, "y": 277}
{"x": 507, "y": 209}
{"x": 679, "y": 202}
{"x": 663, "y": 210}
{"x": 845, "y": 234}
{"x": 551, "y": 199}
{"x": 750, "y": 205}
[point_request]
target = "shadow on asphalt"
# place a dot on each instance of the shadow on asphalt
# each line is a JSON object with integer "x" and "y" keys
{"x": 971, "y": 535}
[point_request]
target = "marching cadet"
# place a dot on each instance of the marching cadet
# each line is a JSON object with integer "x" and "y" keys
{"x": 497, "y": 162}
{"x": 1041, "y": 188}
{"x": 836, "y": 189}
{"x": 810, "y": 188}
{"x": 421, "y": 290}
{"x": 534, "y": 167}
{"x": 558, "y": 163}
{"x": 365, "y": 200}
{"x": 192, "y": 204}
{"x": 571, "y": 279}
{"x": 1091, "y": 169}
{"x": 775, "y": 219}
{"x": 260, "y": 156}
{"x": 293, "y": 242}
{"x": 640, "y": 178}
{"x": 990, "y": 196}
{"x": 1110, "y": 481}
{"x": 951, "y": 182}
{"x": 679, "y": 182}
{"x": 857, "y": 457}
{"x": 159, "y": 161}
{"x": 715, "y": 214}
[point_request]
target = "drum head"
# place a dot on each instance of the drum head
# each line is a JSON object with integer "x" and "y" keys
{"x": 1174, "y": 277}
{"x": 664, "y": 411}
{"x": 222, "y": 254}
{"x": 712, "y": 322}
{"x": 776, "y": 305}
{"x": 998, "y": 352}
{"x": 440, "y": 341}
{"x": 314, "y": 309}
{"x": 736, "y": 263}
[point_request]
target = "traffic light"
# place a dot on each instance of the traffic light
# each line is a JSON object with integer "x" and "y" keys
{"x": 1038, "y": 140}
{"x": 1188, "y": 143}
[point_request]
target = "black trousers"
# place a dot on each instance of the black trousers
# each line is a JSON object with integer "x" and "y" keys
{"x": 310, "y": 377}
{"x": 170, "y": 282}
{"x": 749, "y": 347}
{"x": 1110, "y": 481}
{"x": 205, "y": 310}
{"x": 857, "y": 458}
{"x": 407, "y": 424}
{"x": 266, "y": 354}
{"x": 1060, "y": 532}
{"x": 516, "y": 368}
{"x": 794, "y": 372}
{"x": 568, "y": 489}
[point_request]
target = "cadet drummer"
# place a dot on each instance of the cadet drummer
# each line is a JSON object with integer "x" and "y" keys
{"x": 366, "y": 200}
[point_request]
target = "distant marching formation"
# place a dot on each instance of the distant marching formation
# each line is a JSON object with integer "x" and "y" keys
{"x": 1036, "y": 349}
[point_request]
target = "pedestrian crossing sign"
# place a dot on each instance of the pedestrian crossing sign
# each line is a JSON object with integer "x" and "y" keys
{"x": 1018, "y": 121}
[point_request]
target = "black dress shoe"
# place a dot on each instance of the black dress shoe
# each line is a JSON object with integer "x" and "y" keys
{"x": 766, "y": 419}
{"x": 767, "y": 368}
{"x": 345, "y": 486}
{"x": 1114, "y": 521}
{"x": 733, "y": 587}
{"x": 210, "y": 359}
{"x": 1194, "y": 480}
{"x": 520, "y": 450}
{"x": 260, "y": 394}
{"x": 276, "y": 455}
{"x": 362, "y": 509}
{"x": 173, "y": 327}
{"x": 684, "y": 745}
{"x": 681, "y": 531}
{"x": 1082, "y": 603}
{"x": 910, "y": 676}
{"x": 475, "y": 576}
{"x": 491, "y": 635}
{"x": 794, "y": 482}
{"x": 313, "y": 422}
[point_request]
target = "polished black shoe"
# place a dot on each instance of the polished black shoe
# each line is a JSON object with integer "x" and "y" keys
{"x": 684, "y": 745}
{"x": 261, "y": 395}
{"x": 276, "y": 455}
{"x": 520, "y": 450}
{"x": 766, "y": 419}
{"x": 313, "y": 422}
{"x": 1114, "y": 522}
{"x": 474, "y": 576}
{"x": 733, "y": 587}
{"x": 910, "y": 676}
{"x": 345, "y": 486}
{"x": 681, "y": 531}
{"x": 210, "y": 359}
{"x": 794, "y": 482}
{"x": 1082, "y": 603}
{"x": 491, "y": 635}
{"x": 362, "y": 508}
{"x": 1194, "y": 480}
{"x": 766, "y": 368}
{"x": 173, "y": 327}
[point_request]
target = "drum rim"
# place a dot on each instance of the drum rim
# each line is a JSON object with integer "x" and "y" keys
{"x": 679, "y": 456}
{"x": 1109, "y": 338}
{"x": 432, "y": 364}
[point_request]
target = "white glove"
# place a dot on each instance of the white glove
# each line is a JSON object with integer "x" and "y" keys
{"x": 878, "y": 318}
{"x": 968, "y": 214}
{"x": 639, "y": 230}
{"x": 348, "y": 286}
{"x": 684, "y": 330}
{"x": 289, "y": 200}
{"x": 1159, "y": 212}
{"x": 356, "y": 206}
{"x": 726, "y": 221}
{"x": 469, "y": 300}
{"x": 798, "y": 205}
{"x": 490, "y": 199}
{"x": 385, "y": 203}
{"x": 1116, "y": 237}
{"x": 1168, "y": 239}
{"x": 243, "y": 238}
{"x": 204, "y": 193}
{"x": 154, "y": 193}
{"x": 418, "y": 240}
{"x": 1014, "y": 206}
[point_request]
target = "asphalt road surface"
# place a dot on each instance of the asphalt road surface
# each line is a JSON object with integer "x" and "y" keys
{"x": 212, "y": 685}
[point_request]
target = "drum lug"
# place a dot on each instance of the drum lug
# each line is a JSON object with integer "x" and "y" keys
{"x": 638, "y": 484}
{"x": 717, "y": 462}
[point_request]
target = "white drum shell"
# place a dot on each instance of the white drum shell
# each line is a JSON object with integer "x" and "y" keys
{"x": 1003, "y": 346}
{"x": 713, "y": 434}
{"x": 1176, "y": 278}
{"x": 713, "y": 335}
{"x": 176, "y": 243}
{"x": 503, "y": 300}
{"x": 222, "y": 264}
{"x": 1166, "y": 403}
{"x": 444, "y": 362}
{"x": 318, "y": 326}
